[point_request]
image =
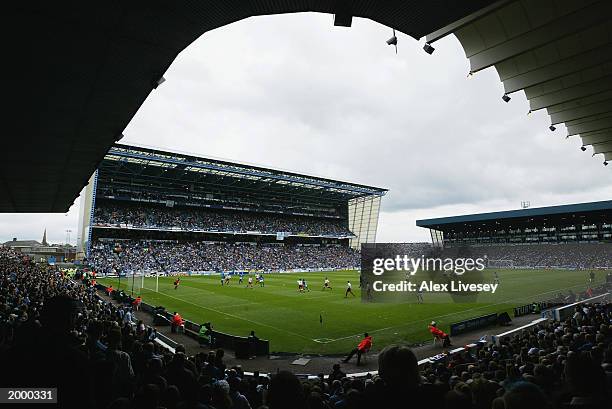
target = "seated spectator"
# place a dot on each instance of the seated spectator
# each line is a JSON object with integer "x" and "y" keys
{"x": 336, "y": 373}
{"x": 285, "y": 392}
{"x": 523, "y": 395}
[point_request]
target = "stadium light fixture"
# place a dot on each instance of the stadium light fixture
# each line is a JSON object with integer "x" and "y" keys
{"x": 583, "y": 148}
{"x": 506, "y": 98}
{"x": 156, "y": 83}
{"x": 428, "y": 48}
{"x": 606, "y": 163}
{"x": 552, "y": 128}
{"x": 393, "y": 41}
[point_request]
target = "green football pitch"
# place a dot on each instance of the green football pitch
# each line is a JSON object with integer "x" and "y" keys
{"x": 291, "y": 320}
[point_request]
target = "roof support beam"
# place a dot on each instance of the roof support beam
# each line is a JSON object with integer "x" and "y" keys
{"x": 451, "y": 28}
{"x": 583, "y": 112}
{"x": 602, "y": 147}
{"x": 569, "y": 94}
{"x": 583, "y": 19}
{"x": 584, "y": 77}
{"x": 580, "y": 102}
{"x": 558, "y": 69}
{"x": 589, "y": 119}
{"x": 590, "y": 139}
{"x": 598, "y": 125}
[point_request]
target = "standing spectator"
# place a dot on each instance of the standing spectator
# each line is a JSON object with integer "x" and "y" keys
{"x": 123, "y": 373}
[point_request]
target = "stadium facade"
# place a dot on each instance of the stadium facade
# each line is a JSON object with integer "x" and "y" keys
{"x": 573, "y": 223}
{"x": 147, "y": 194}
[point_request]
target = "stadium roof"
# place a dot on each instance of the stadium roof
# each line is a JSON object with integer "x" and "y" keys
{"x": 83, "y": 69}
{"x": 527, "y": 215}
{"x": 558, "y": 52}
{"x": 129, "y": 163}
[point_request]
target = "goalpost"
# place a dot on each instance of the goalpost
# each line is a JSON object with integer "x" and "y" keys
{"x": 147, "y": 281}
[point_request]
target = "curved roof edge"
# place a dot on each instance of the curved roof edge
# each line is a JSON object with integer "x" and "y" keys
{"x": 511, "y": 214}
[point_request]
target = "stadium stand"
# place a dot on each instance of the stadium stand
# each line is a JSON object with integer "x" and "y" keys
{"x": 241, "y": 222}
{"x": 147, "y": 210}
{"x": 56, "y": 331}
{"x": 576, "y": 236}
{"x": 563, "y": 255}
{"x": 171, "y": 257}
{"x": 571, "y": 223}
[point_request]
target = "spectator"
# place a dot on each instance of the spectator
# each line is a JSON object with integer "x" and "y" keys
{"x": 55, "y": 331}
{"x": 336, "y": 373}
{"x": 285, "y": 392}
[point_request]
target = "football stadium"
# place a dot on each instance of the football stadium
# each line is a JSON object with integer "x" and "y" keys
{"x": 208, "y": 283}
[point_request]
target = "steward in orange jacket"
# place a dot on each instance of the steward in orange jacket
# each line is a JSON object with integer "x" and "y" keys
{"x": 439, "y": 334}
{"x": 363, "y": 347}
{"x": 176, "y": 322}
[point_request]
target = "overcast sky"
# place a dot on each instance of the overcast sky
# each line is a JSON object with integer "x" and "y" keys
{"x": 296, "y": 93}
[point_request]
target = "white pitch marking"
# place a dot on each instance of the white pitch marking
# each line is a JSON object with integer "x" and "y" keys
{"x": 456, "y": 313}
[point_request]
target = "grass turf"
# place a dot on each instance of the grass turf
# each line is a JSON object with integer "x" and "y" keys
{"x": 290, "y": 320}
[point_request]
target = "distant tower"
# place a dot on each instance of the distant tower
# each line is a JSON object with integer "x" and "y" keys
{"x": 44, "y": 240}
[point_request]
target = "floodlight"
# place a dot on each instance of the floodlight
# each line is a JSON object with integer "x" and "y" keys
{"x": 506, "y": 98}
{"x": 428, "y": 48}
{"x": 393, "y": 41}
{"x": 156, "y": 83}
{"x": 552, "y": 128}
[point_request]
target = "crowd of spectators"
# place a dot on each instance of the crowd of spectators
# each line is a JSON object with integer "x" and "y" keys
{"x": 566, "y": 255}
{"x": 218, "y": 220}
{"x": 168, "y": 256}
{"x": 57, "y": 332}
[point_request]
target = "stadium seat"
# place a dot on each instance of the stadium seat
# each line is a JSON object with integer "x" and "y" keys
{"x": 364, "y": 355}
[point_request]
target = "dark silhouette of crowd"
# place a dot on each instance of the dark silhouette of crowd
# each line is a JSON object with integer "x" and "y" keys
{"x": 56, "y": 332}
{"x": 168, "y": 256}
{"x": 219, "y": 220}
